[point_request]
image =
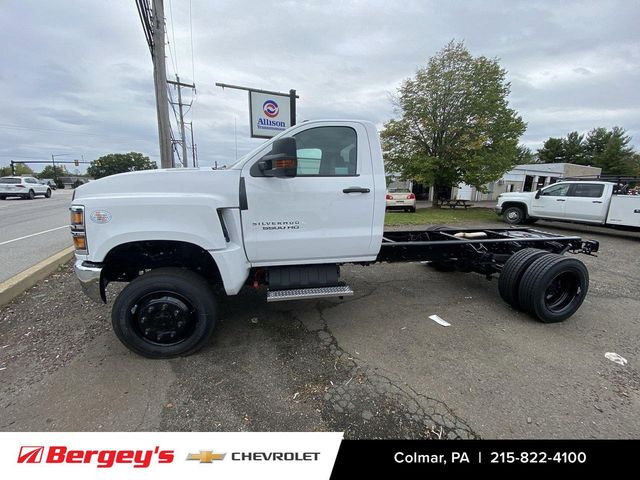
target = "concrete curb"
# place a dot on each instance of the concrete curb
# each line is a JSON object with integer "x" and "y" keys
{"x": 26, "y": 279}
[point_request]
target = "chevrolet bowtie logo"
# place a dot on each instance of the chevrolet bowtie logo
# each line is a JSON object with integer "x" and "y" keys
{"x": 206, "y": 456}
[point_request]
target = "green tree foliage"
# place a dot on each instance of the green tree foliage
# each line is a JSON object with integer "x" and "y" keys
{"x": 524, "y": 155}
{"x": 456, "y": 124}
{"x": 119, "y": 163}
{"x": 48, "y": 172}
{"x": 21, "y": 169}
{"x": 610, "y": 150}
{"x": 607, "y": 149}
{"x": 552, "y": 151}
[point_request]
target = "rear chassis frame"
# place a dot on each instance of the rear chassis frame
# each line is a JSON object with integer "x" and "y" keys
{"x": 485, "y": 255}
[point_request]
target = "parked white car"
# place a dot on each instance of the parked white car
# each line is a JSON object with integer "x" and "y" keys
{"x": 401, "y": 199}
{"x": 576, "y": 201}
{"x": 24, "y": 187}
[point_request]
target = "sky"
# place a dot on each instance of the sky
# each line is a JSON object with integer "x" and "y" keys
{"x": 77, "y": 76}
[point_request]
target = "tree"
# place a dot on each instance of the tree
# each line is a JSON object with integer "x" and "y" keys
{"x": 610, "y": 150}
{"x": 456, "y": 125}
{"x": 48, "y": 172}
{"x": 119, "y": 163}
{"x": 552, "y": 151}
{"x": 20, "y": 168}
{"x": 574, "y": 148}
{"x": 524, "y": 155}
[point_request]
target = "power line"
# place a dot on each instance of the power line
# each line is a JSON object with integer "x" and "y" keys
{"x": 66, "y": 132}
{"x": 193, "y": 68}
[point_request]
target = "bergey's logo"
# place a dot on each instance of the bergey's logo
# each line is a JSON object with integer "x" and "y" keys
{"x": 30, "y": 454}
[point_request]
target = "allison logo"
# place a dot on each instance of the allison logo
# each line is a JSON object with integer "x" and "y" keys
{"x": 270, "y": 108}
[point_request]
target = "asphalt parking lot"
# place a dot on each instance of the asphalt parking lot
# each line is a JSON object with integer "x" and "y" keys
{"x": 373, "y": 365}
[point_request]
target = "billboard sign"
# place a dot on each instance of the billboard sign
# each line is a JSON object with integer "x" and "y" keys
{"x": 270, "y": 114}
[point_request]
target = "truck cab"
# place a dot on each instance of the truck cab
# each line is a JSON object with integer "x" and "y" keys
{"x": 573, "y": 201}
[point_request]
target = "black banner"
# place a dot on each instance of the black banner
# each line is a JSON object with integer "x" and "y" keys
{"x": 415, "y": 458}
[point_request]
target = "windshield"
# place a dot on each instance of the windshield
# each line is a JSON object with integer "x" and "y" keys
{"x": 399, "y": 190}
{"x": 10, "y": 180}
{"x": 254, "y": 151}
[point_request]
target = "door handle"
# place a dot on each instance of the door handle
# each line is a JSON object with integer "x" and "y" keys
{"x": 596, "y": 201}
{"x": 560, "y": 200}
{"x": 356, "y": 190}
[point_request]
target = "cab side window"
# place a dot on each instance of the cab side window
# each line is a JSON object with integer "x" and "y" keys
{"x": 560, "y": 190}
{"x": 586, "y": 190}
{"x": 327, "y": 152}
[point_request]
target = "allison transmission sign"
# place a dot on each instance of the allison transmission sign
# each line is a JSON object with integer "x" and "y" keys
{"x": 270, "y": 114}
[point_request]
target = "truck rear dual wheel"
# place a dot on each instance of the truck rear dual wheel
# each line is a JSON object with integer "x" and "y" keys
{"x": 553, "y": 287}
{"x": 165, "y": 313}
{"x": 546, "y": 285}
{"x": 513, "y": 271}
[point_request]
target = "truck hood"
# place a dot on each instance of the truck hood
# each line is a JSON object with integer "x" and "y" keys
{"x": 223, "y": 184}
{"x": 517, "y": 195}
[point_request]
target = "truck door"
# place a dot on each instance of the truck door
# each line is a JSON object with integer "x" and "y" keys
{"x": 551, "y": 202}
{"x": 322, "y": 215}
{"x": 587, "y": 202}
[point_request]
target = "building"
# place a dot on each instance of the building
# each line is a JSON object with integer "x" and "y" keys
{"x": 526, "y": 178}
{"x": 73, "y": 181}
{"x": 522, "y": 178}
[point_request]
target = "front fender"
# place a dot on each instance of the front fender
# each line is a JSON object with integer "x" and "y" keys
{"x": 192, "y": 218}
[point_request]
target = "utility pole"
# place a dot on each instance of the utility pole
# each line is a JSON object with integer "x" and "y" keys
{"x": 179, "y": 85}
{"x": 193, "y": 146}
{"x": 160, "y": 83}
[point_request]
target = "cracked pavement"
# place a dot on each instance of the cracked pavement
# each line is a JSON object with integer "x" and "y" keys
{"x": 372, "y": 365}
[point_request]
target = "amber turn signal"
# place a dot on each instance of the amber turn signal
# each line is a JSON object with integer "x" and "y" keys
{"x": 80, "y": 242}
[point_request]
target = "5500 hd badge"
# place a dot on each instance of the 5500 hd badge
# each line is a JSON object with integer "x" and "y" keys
{"x": 291, "y": 225}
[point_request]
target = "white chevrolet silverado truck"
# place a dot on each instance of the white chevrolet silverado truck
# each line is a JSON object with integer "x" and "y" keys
{"x": 283, "y": 219}
{"x": 590, "y": 202}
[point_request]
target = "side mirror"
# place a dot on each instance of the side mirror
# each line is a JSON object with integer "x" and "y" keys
{"x": 282, "y": 161}
{"x": 538, "y": 193}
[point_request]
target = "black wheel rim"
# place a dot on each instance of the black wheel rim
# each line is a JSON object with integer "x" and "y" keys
{"x": 562, "y": 291}
{"x": 164, "y": 318}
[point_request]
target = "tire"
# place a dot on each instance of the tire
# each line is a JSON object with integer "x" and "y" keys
{"x": 553, "y": 288}
{"x": 182, "y": 308}
{"x": 514, "y": 215}
{"x": 412, "y": 209}
{"x": 48, "y": 193}
{"x": 512, "y": 272}
{"x": 32, "y": 195}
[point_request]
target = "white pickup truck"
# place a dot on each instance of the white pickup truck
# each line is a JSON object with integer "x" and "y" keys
{"x": 283, "y": 219}
{"x": 588, "y": 202}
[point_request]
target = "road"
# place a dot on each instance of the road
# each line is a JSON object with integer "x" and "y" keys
{"x": 32, "y": 230}
{"x": 373, "y": 365}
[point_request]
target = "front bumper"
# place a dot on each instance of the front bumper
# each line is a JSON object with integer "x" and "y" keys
{"x": 498, "y": 209}
{"x": 90, "y": 277}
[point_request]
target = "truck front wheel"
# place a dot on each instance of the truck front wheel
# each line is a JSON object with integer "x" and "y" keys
{"x": 553, "y": 287}
{"x": 165, "y": 313}
{"x": 514, "y": 215}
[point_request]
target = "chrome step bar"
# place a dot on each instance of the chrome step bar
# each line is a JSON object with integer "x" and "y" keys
{"x": 304, "y": 293}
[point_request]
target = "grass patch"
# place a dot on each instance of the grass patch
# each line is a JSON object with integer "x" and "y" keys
{"x": 427, "y": 216}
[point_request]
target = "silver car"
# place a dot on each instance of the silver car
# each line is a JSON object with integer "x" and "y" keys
{"x": 23, "y": 187}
